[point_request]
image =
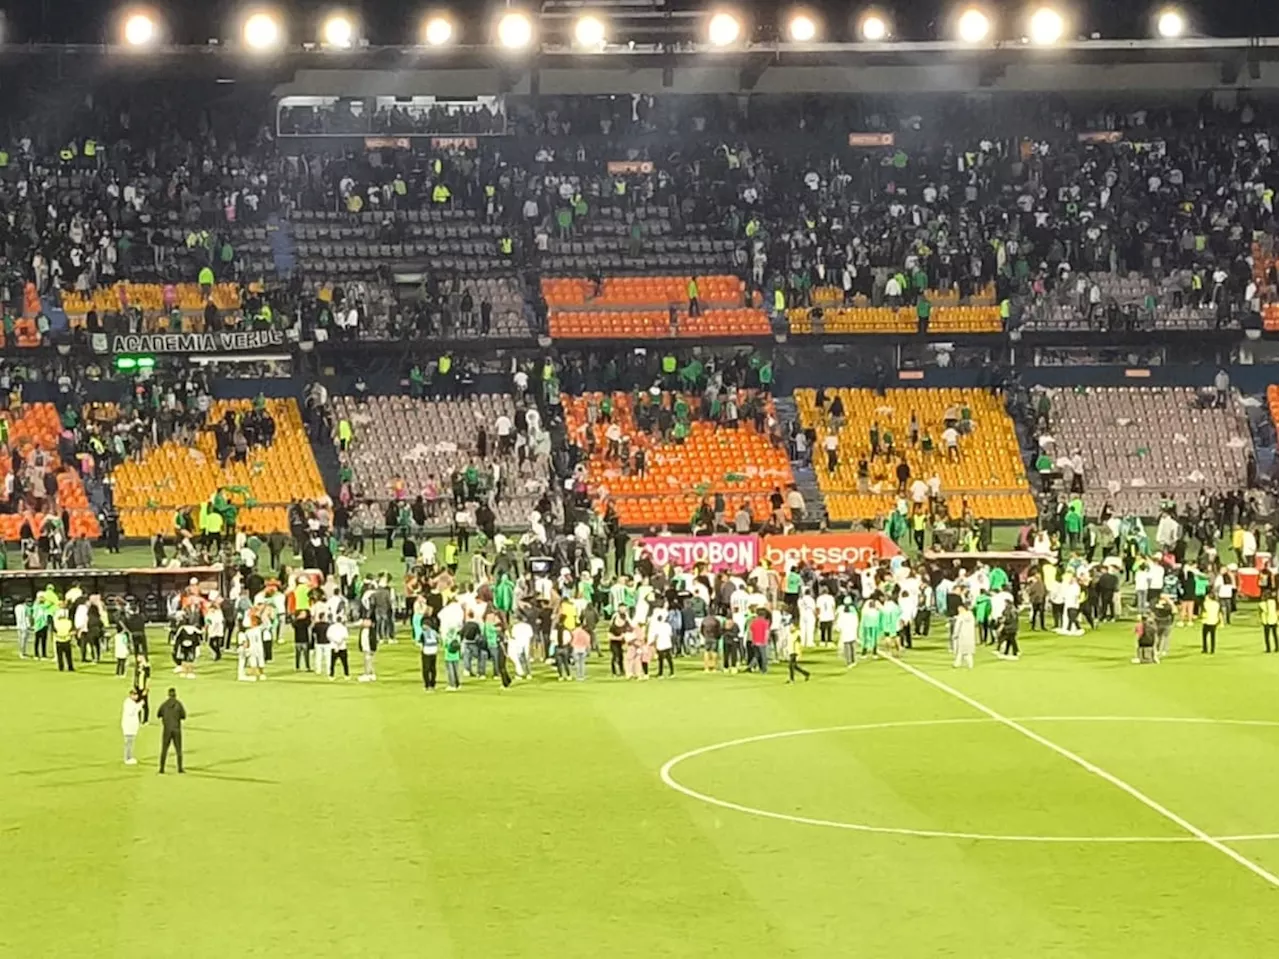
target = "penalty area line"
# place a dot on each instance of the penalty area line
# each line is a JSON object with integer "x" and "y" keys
{"x": 1098, "y": 771}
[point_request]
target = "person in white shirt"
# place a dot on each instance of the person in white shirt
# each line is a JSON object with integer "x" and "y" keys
{"x": 807, "y": 608}
{"x": 966, "y": 638}
{"x": 519, "y": 646}
{"x": 1070, "y": 592}
{"x": 847, "y": 633}
{"x": 215, "y": 627}
{"x": 660, "y": 638}
{"x": 951, "y": 442}
{"x": 826, "y": 605}
{"x": 337, "y": 635}
{"x": 368, "y": 651}
{"x": 130, "y": 720}
{"x": 919, "y": 491}
{"x": 504, "y": 430}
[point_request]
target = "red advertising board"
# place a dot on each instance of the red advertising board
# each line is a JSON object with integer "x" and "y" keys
{"x": 738, "y": 553}
{"x": 828, "y": 550}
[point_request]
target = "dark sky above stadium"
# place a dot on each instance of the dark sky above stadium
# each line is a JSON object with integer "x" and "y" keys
{"x": 396, "y": 21}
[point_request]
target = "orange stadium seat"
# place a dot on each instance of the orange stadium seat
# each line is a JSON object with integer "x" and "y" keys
{"x": 1273, "y": 402}
{"x": 617, "y": 324}
{"x": 902, "y": 320}
{"x": 148, "y": 297}
{"x": 990, "y": 472}
{"x": 1271, "y": 317}
{"x": 656, "y": 291}
{"x": 37, "y": 425}
{"x": 172, "y": 476}
{"x": 742, "y": 464}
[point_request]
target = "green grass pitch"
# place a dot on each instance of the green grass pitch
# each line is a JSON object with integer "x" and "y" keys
{"x": 322, "y": 819}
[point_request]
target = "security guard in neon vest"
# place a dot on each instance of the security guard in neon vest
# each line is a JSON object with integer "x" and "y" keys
{"x": 505, "y": 246}
{"x": 440, "y": 193}
{"x": 91, "y": 148}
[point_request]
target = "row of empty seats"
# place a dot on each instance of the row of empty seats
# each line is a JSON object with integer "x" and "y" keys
{"x": 990, "y": 460}
{"x": 740, "y": 463}
{"x": 625, "y": 324}
{"x": 149, "y": 297}
{"x": 171, "y": 476}
{"x": 1141, "y": 443}
{"x": 902, "y": 320}
{"x": 651, "y": 291}
{"x": 405, "y": 446}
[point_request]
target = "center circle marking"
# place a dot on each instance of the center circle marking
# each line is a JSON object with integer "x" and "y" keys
{"x": 666, "y": 773}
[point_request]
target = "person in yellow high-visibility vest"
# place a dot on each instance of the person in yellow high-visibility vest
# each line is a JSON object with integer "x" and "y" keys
{"x": 1269, "y": 614}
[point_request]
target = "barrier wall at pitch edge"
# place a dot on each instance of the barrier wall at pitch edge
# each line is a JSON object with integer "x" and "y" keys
{"x": 741, "y": 553}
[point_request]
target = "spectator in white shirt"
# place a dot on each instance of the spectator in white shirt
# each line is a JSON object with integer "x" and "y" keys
{"x": 951, "y": 442}
{"x": 337, "y": 635}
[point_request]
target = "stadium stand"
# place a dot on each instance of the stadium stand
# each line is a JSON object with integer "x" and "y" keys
{"x": 172, "y": 476}
{"x": 404, "y": 447}
{"x": 1273, "y": 403}
{"x": 641, "y": 306}
{"x": 37, "y": 428}
{"x": 988, "y": 476}
{"x": 1140, "y": 444}
{"x": 740, "y": 463}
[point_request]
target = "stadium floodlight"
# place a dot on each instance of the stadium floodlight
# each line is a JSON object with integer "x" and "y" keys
{"x": 139, "y": 29}
{"x": 802, "y": 28}
{"x": 515, "y": 30}
{"x": 437, "y": 31}
{"x": 589, "y": 32}
{"x": 874, "y": 28}
{"x": 973, "y": 26}
{"x": 723, "y": 29}
{"x": 1046, "y": 26}
{"x": 1171, "y": 23}
{"x": 338, "y": 31}
{"x": 262, "y": 31}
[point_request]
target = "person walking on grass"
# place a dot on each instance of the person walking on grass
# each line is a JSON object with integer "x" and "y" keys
{"x": 171, "y": 715}
{"x": 966, "y": 638}
{"x": 338, "y": 634}
{"x": 368, "y": 651}
{"x": 22, "y": 620}
{"x": 1269, "y": 615}
{"x": 1210, "y": 618}
{"x": 580, "y": 642}
{"x": 428, "y": 642}
{"x": 869, "y": 628}
{"x": 795, "y": 648}
{"x": 846, "y": 630}
{"x": 453, "y": 662}
{"x": 1007, "y": 630}
{"x": 130, "y": 720}
{"x": 63, "y": 633}
{"x": 662, "y": 641}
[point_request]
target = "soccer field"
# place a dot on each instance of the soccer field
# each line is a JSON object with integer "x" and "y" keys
{"x": 1066, "y": 805}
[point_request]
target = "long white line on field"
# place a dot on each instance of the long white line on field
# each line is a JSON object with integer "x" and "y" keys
{"x": 1098, "y": 771}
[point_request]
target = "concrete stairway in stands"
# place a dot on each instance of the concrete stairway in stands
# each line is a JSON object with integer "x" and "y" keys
{"x": 815, "y": 507}
{"x": 283, "y": 250}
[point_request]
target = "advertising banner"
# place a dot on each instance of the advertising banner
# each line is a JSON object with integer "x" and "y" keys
{"x": 870, "y": 139}
{"x": 738, "y": 553}
{"x": 624, "y": 167}
{"x": 828, "y": 550}
{"x": 226, "y": 342}
{"x": 387, "y": 143}
{"x": 454, "y": 143}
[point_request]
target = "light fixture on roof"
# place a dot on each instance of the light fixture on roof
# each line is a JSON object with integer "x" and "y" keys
{"x": 874, "y": 27}
{"x": 437, "y": 31}
{"x": 262, "y": 31}
{"x": 973, "y": 26}
{"x": 723, "y": 29}
{"x": 1171, "y": 23}
{"x": 338, "y": 31}
{"x": 139, "y": 29}
{"x": 589, "y": 32}
{"x": 1046, "y": 26}
{"x": 515, "y": 30}
{"x": 802, "y": 27}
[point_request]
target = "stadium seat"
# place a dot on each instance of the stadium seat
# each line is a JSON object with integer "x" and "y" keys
{"x": 989, "y": 474}
{"x": 171, "y": 476}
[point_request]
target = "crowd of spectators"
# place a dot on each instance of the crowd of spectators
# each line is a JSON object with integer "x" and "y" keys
{"x": 1024, "y": 206}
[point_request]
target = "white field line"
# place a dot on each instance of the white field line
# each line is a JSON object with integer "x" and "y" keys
{"x": 1098, "y": 771}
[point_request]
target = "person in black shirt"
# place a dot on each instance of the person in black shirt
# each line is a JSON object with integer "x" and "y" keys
{"x": 171, "y": 714}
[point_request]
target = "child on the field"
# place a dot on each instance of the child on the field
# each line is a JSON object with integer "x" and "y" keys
{"x": 121, "y": 641}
